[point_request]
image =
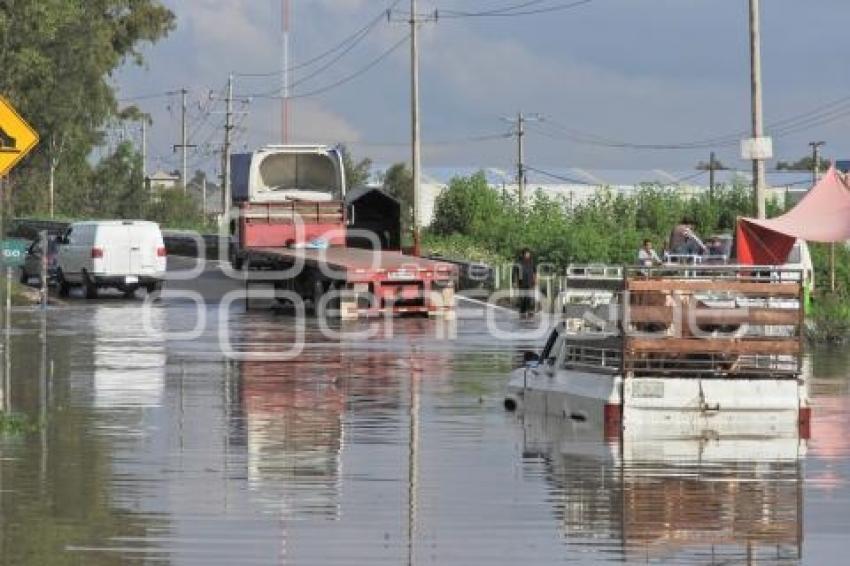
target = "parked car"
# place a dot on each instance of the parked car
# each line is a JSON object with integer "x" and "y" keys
{"x": 123, "y": 254}
{"x": 32, "y": 263}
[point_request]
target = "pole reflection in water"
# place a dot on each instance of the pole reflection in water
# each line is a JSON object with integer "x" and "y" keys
{"x": 696, "y": 500}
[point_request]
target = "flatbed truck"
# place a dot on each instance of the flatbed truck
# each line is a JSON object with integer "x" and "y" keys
{"x": 295, "y": 224}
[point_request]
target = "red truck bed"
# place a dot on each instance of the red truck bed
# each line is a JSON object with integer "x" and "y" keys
{"x": 355, "y": 260}
{"x": 392, "y": 280}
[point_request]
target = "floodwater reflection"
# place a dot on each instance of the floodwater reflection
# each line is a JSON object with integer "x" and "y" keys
{"x": 688, "y": 500}
{"x": 391, "y": 449}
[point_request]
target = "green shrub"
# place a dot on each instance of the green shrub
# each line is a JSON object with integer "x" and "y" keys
{"x": 830, "y": 319}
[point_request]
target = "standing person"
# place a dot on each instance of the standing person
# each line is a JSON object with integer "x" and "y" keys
{"x": 527, "y": 283}
{"x": 647, "y": 256}
{"x": 684, "y": 241}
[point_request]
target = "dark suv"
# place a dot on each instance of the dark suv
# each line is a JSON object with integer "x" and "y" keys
{"x": 32, "y": 264}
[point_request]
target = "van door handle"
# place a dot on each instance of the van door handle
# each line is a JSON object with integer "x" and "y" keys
{"x": 135, "y": 249}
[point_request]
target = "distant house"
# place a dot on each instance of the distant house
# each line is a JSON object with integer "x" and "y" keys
{"x": 162, "y": 181}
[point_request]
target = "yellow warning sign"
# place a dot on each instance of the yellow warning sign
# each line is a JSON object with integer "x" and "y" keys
{"x": 17, "y": 138}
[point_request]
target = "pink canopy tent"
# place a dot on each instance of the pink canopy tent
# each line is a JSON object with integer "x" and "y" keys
{"x": 823, "y": 215}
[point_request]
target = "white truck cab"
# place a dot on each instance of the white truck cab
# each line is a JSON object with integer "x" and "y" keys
{"x": 123, "y": 254}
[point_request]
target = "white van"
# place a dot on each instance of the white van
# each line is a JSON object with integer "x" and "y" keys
{"x": 124, "y": 254}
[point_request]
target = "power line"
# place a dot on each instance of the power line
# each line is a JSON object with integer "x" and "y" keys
{"x": 363, "y": 70}
{"x": 147, "y": 96}
{"x": 559, "y": 177}
{"x": 516, "y": 10}
{"x": 821, "y": 115}
{"x": 355, "y": 37}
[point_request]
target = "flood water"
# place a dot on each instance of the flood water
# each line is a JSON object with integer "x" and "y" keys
{"x": 387, "y": 450}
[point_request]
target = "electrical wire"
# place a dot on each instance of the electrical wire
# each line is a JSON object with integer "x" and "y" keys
{"x": 522, "y": 9}
{"x": 362, "y": 71}
{"x": 819, "y": 116}
{"x": 559, "y": 177}
{"x": 352, "y": 39}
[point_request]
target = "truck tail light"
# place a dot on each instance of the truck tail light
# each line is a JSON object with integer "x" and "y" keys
{"x": 96, "y": 253}
{"x": 160, "y": 252}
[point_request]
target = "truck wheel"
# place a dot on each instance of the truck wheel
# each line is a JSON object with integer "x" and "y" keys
{"x": 90, "y": 286}
{"x": 64, "y": 287}
{"x": 237, "y": 262}
{"x": 129, "y": 292}
{"x": 25, "y": 279}
{"x": 152, "y": 288}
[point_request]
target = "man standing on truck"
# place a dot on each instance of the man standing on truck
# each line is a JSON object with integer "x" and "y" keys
{"x": 527, "y": 283}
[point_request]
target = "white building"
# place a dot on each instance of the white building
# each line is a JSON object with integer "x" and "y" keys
{"x": 578, "y": 185}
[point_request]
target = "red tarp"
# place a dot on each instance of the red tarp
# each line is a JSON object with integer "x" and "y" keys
{"x": 823, "y": 215}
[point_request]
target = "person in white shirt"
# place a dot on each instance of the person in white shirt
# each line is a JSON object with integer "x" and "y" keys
{"x": 646, "y": 255}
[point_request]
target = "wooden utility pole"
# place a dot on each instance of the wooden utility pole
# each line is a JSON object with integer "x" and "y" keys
{"x": 759, "y": 189}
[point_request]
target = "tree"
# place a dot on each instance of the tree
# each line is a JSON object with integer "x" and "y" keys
{"x": 804, "y": 164}
{"x": 356, "y": 174}
{"x": 398, "y": 181}
{"x": 57, "y": 57}
{"x": 117, "y": 190}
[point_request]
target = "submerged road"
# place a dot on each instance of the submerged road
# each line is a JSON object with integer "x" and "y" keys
{"x": 383, "y": 444}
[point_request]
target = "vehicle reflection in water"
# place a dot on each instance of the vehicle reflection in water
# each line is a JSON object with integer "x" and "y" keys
{"x": 129, "y": 358}
{"x": 293, "y": 418}
{"x": 695, "y": 500}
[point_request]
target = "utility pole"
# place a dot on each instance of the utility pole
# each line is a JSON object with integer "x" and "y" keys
{"x": 816, "y": 145}
{"x": 185, "y": 175}
{"x": 286, "y": 24}
{"x": 184, "y": 142}
{"x": 144, "y": 149}
{"x": 204, "y": 197}
{"x": 520, "y": 167}
{"x": 416, "y": 142}
{"x": 225, "y": 168}
{"x": 758, "y": 119}
{"x": 816, "y": 161}
{"x": 711, "y": 168}
{"x": 519, "y": 132}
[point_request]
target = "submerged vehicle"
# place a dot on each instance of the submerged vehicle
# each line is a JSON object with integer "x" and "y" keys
{"x": 675, "y": 349}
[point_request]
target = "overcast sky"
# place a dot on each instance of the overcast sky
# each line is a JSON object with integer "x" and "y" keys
{"x": 638, "y": 71}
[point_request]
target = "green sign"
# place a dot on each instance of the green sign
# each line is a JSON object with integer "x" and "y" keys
{"x": 13, "y": 253}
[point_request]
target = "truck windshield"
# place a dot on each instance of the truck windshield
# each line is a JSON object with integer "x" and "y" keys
{"x": 291, "y": 173}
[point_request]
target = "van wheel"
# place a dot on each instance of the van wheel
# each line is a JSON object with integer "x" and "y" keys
{"x": 152, "y": 288}
{"x": 90, "y": 286}
{"x": 25, "y": 279}
{"x": 64, "y": 287}
{"x": 129, "y": 292}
